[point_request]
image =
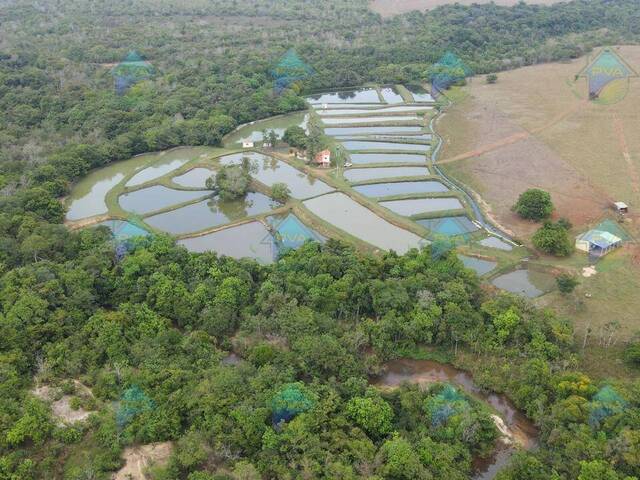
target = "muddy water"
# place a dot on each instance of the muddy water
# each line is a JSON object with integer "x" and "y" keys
{"x": 426, "y": 371}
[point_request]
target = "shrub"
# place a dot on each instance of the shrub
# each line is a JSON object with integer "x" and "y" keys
{"x": 553, "y": 238}
{"x": 534, "y": 204}
{"x": 492, "y": 78}
{"x": 566, "y": 283}
{"x": 280, "y": 192}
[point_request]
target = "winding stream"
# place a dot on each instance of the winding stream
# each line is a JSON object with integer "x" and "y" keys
{"x": 423, "y": 372}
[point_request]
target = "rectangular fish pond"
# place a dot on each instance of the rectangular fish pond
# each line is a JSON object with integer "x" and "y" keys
{"x": 253, "y": 131}
{"x": 346, "y": 214}
{"x": 366, "y": 120}
{"x": 391, "y": 146}
{"x": 211, "y": 212}
{"x": 481, "y": 267}
{"x": 416, "y": 206}
{"x": 269, "y": 170}
{"x": 355, "y": 175}
{"x": 373, "y": 130}
{"x": 368, "y": 158}
{"x": 419, "y": 93}
{"x": 400, "y": 188}
{"x": 373, "y": 111}
{"x": 123, "y": 230}
{"x": 291, "y": 233}
{"x": 391, "y": 95}
{"x": 363, "y": 95}
{"x": 449, "y": 226}
{"x": 249, "y": 240}
{"x": 157, "y": 197}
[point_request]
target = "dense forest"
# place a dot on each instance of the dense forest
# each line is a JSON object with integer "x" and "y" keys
{"x": 150, "y": 332}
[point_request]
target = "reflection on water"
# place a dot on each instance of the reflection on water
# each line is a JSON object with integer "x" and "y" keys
{"x": 391, "y": 95}
{"x": 364, "y": 95}
{"x": 525, "y": 282}
{"x": 365, "y": 120}
{"x": 374, "y": 130}
{"x": 415, "y": 206}
{"x": 427, "y": 371}
{"x": 194, "y": 178}
{"x": 477, "y": 264}
{"x": 368, "y": 158}
{"x": 157, "y": 197}
{"x": 374, "y": 145}
{"x": 211, "y": 213}
{"x": 93, "y": 202}
{"x": 362, "y": 174}
{"x": 400, "y": 188}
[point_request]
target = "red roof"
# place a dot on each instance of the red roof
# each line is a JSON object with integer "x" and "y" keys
{"x": 320, "y": 155}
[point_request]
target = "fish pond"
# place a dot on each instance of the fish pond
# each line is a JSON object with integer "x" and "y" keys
{"x": 194, "y": 178}
{"x": 400, "y": 188}
{"x": 366, "y": 120}
{"x": 481, "y": 267}
{"x": 363, "y": 95}
{"x": 495, "y": 242}
{"x": 449, "y": 226}
{"x": 391, "y": 95}
{"x": 367, "y": 158}
{"x": 157, "y": 197}
{"x": 253, "y": 131}
{"x": 346, "y": 214}
{"x": 373, "y": 111}
{"x": 166, "y": 162}
{"x": 373, "y": 130}
{"x": 123, "y": 230}
{"x": 269, "y": 170}
{"x": 211, "y": 212}
{"x": 249, "y": 240}
{"x": 526, "y": 282}
{"x": 419, "y": 93}
{"x": 416, "y": 206}
{"x": 391, "y": 146}
{"x": 355, "y": 175}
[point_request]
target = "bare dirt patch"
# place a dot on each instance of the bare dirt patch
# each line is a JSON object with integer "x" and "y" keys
{"x": 138, "y": 459}
{"x": 61, "y": 408}
{"x": 389, "y": 8}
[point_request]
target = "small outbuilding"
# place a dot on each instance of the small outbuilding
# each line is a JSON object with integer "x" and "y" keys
{"x": 597, "y": 242}
{"x": 621, "y": 207}
{"x": 247, "y": 144}
{"x": 323, "y": 158}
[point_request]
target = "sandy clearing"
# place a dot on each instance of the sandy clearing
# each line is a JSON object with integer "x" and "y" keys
{"x": 389, "y": 8}
{"x": 139, "y": 458}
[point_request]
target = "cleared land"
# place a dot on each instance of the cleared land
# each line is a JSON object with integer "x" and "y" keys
{"x": 536, "y": 128}
{"x": 388, "y": 8}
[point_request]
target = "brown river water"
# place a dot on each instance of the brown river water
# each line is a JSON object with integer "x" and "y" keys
{"x": 524, "y": 433}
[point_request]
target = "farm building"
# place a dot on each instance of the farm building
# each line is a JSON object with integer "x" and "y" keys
{"x": 323, "y": 158}
{"x": 621, "y": 207}
{"x": 247, "y": 144}
{"x": 604, "y": 238}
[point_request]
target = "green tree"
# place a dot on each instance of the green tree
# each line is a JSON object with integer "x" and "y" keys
{"x": 372, "y": 414}
{"x": 534, "y": 204}
{"x": 566, "y": 283}
{"x": 280, "y": 191}
{"x": 400, "y": 461}
{"x": 233, "y": 181}
{"x": 553, "y": 238}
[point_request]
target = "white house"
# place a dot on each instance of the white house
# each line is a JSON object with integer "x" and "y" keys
{"x": 247, "y": 144}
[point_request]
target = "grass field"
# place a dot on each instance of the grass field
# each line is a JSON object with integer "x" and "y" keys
{"x": 388, "y": 8}
{"x": 536, "y": 128}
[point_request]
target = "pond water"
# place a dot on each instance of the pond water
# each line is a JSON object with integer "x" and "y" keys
{"x": 395, "y": 138}
{"x": 450, "y": 226}
{"x": 346, "y": 214}
{"x": 157, "y": 197}
{"x": 249, "y": 240}
{"x": 167, "y": 161}
{"x": 123, "y": 230}
{"x": 495, "y": 242}
{"x": 415, "y": 206}
{"x": 365, "y": 158}
{"x": 374, "y": 145}
{"x": 365, "y": 120}
{"x": 211, "y": 213}
{"x": 425, "y": 372}
{"x": 419, "y": 93}
{"x": 374, "y": 130}
{"x": 528, "y": 283}
{"x": 391, "y": 95}
{"x": 269, "y": 170}
{"x": 480, "y": 266}
{"x": 194, "y": 178}
{"x": 400, "y": 188}
{"x": 364, "y": 95}
{"x": 87, "y": 197}
{"x": 253, "y": 131}
{"x": 291, "y": 233}
{"x": 364, "y": 111}
{"x": 354, "y": 175}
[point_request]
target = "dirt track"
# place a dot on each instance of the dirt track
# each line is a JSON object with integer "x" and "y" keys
{"x": 388, "y": 8}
